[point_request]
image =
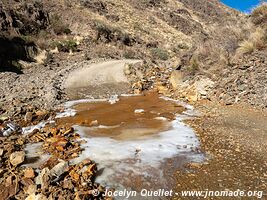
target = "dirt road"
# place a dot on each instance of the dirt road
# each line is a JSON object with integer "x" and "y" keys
{"x": 98, "y": 80}
{"x": 97, "y": 74}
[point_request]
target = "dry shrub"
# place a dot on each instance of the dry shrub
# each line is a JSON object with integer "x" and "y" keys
{"x": 58, "y": 26}
{"x": 43, "y": 39}
{"x": 206, "y": 50}
{"x": 129, "y": 54}
{"x": 259, "y": 38}
{"x": 103, "y": 50}
{"x": 211, "y": 52}
{"x": 222, "y": 48}
{"x": 108, "y": 33}
{"x": 256, "y": 41}
{"x": 194, "y": 65}
{"x": 159, "y": 53}
{"x": 259, "y": 15}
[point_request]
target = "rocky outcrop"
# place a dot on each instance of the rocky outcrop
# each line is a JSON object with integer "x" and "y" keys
{"x": 19, "y": 21}
{"x": 22, "y": 18}
{"x": 245, "y": 81}
{"x": 16, "y": 49}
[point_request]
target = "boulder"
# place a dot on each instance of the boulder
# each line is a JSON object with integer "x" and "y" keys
{"x": 176, "y": 79}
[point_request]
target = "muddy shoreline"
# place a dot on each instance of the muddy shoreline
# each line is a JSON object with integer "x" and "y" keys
{"x": 234, "y": 139}
{"x": 135, "y": 150}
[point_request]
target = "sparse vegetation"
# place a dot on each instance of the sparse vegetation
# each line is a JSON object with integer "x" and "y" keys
{"x": 246, "y": 47}
{"x": 58, "y": 26}
{"x": 256, "y": 41}
{"x": 107, "y": 33}
{"x": 66, "y": 45}
{"x": 104, "y": 31}
{"x": 153, "y": 3}
{"x": 180, "y": 46}
{"x": 159, "y": 53}
{"x": 186, "y": 50}
{"x": 105, "y": 28}
{"x": 43, "y": 39}
{"x": 129, "y": 54}
{"x": 259, "y": 15}
{"x": 27, "y": 38}
{"x": 95, "y": 6}
{"x": 194, "y": 65}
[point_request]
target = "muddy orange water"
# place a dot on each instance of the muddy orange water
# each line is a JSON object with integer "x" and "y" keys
{"x": 129, "y": 118}
{"x": 137, "y": 142}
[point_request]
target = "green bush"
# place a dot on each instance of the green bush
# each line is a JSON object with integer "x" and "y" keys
{"x": 66, "y": 45}
{"x": 160, "y": 54}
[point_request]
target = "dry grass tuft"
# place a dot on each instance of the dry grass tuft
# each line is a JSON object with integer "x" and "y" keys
{"x": 256, "y": 41}
{"x": 246, "y": 47}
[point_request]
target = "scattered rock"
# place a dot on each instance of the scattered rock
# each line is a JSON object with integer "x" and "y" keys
{"x": 29, "y": 173}
{"x": 194, "y": 165}
{"x": 245, "y": 81}
{"x": 8, "y": 191}
{"x": 28, "y": 117}
{"x": 127, "y": 70}
{"x": 9, "y": 128}
{"x": 17, "y": 158}
{"x": 31, "y": 189}
{"x": 59, "y": 169}
{"x": 1, "y": 152}
{"x": 138, "y": 111}
{"x": 36, "y": 197}
{"x": 43, "y": 178}
{"x": 94, "y": 123}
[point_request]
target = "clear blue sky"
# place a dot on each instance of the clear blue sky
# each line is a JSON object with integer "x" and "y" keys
{"x": 242, "y": 5}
